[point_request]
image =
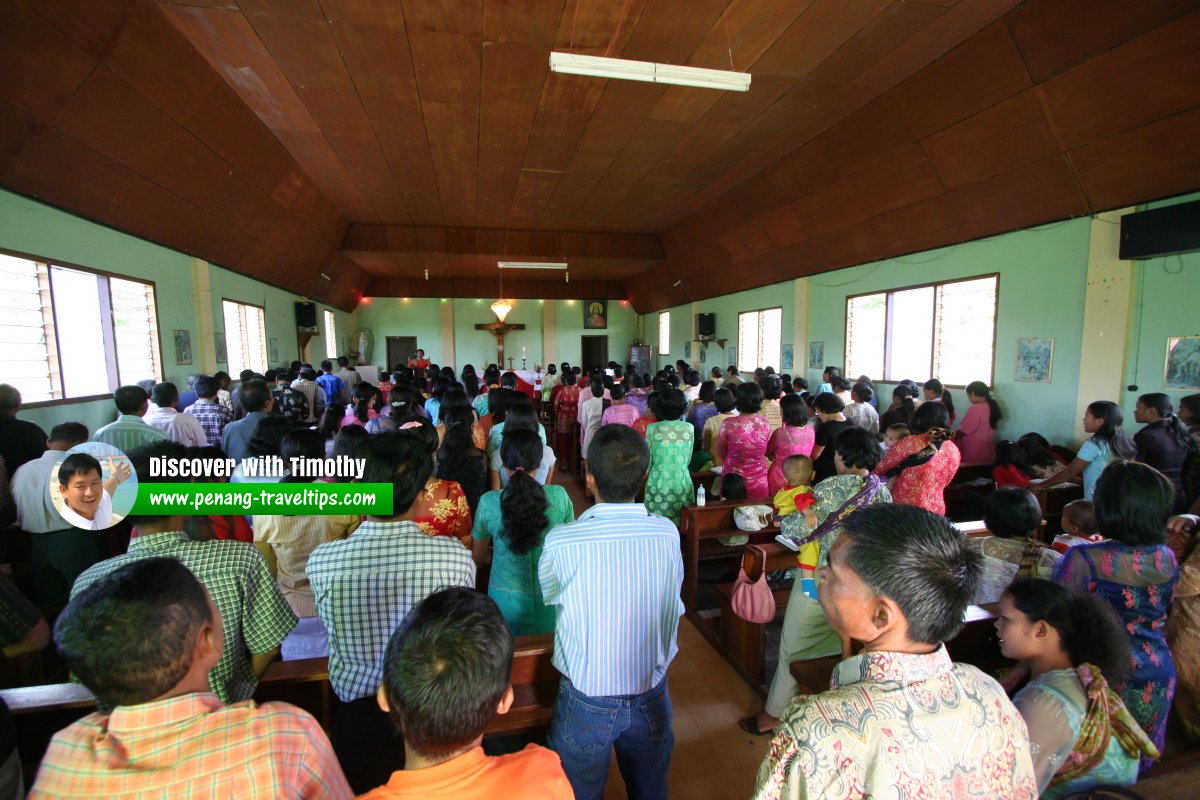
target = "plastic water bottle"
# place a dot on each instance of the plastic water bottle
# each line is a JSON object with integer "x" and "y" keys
{"x": 700, "y": 496}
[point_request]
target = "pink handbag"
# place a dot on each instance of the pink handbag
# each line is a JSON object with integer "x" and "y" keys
{"x": 753, "y": 602}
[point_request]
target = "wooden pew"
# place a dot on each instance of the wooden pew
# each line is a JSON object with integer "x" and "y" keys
{"x": 41, "y": 711}
{"x": 741, "y": 642}
{"x": 975, "y": 644}
{"x": 699, "y": 529}
{"x": 1053, "y": 500}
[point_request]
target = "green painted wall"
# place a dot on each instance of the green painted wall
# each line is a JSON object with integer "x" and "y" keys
{"x": 1042, "y": 271}
{"x": 36, "y": 229}
{"x": 1043, "y": 275}
{"x": 421, "y": 317}
{"x": 568, "y": 330}
{"x": 392, "y": 316}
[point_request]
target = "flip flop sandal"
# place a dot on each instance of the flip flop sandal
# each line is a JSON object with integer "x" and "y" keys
{"x": 750, "y": 726}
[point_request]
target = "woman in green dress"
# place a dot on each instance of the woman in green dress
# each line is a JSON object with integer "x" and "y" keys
{"x": 510, "y": 529}
{"x": 669, "y": 483}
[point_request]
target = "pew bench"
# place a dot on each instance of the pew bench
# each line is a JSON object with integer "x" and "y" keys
{"x": 699, "y": 529}
{"x": 41, "y": 711}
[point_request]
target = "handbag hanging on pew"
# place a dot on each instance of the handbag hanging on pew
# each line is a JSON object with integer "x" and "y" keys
{"x": 753, "y": 601}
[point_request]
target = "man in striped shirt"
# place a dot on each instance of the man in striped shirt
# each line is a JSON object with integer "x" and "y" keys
{"x": 143, "y": 639}
{"x": 364, "y": 586}
{"x": 615, "y": 575}
{"x": 129, "y": 431}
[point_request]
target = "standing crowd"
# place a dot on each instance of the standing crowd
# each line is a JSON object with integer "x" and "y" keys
{"x": 174, "y": 634}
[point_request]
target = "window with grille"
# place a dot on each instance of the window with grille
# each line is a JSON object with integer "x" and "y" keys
{"x": 330, "y": 339}
{"x": 760, "y": 337}
{"x": 945, "y": 331}
{"x": 68, "y": 333}
{"x": 664, "y": 333}
{"x": 245, "y": 336}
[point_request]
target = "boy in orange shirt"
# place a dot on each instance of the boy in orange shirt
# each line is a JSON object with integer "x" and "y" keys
{"x": 445, "y": 674}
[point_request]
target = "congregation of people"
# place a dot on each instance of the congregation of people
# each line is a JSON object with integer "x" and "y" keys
{"x": 418, "y": 610}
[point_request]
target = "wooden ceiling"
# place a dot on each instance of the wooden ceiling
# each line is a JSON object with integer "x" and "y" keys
{"x": 372, "y": 140}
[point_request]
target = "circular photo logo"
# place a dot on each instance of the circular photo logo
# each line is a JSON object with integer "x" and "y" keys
{"x": 93, "y": 486}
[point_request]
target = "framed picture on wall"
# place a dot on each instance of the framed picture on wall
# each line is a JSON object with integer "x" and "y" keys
{"x": 595, "y": 315}
{"x": 816, "y": 355}
{"x": 183, "y": 346}
{"x": 274, "y": 350}
{"x": 1035, "y": 360}
{"x": 1182, "y": 371}
{"x": 787, "y": 357}
{"x": 222, "y": 355}
{"x": 687, "y": 351}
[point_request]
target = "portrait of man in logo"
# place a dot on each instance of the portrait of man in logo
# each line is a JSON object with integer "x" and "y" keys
{"x": 86, "y": 485}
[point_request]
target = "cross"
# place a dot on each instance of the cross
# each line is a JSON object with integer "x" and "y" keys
{"x": 499, "y": 330}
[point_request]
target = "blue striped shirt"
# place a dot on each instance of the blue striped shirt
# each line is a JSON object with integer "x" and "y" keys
{"x": 615, "y": 575}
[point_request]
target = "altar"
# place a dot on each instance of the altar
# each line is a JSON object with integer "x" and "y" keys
{"x": 530, "y": 376}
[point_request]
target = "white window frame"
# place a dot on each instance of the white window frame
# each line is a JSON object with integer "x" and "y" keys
{"x": 887, "y": 342}
{"x": 664, "y": 333}
{"x": 744, "y": 363}
{"x": 52, "y": 337}
{"x": 235, "y": 341}
{"x": 330, "y": 336}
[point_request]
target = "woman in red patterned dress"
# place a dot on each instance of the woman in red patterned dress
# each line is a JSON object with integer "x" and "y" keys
{"x": 923, "y": 464}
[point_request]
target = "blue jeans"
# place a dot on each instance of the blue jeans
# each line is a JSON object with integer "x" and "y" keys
{"x": 585, "y": 729}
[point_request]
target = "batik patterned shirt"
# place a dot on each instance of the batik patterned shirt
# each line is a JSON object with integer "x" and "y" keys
{"x": 901, "y": 725}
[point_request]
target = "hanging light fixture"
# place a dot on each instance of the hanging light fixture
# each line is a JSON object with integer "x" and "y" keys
{"x": 501, "y": 307}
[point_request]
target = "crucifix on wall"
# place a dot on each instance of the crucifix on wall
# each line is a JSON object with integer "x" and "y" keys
{"x": 499, "y": 330}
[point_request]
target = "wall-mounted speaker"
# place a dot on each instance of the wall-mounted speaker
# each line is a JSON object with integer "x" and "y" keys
{"x": 306, "y": 317}
{"x": 706, "y": 325}
{"x": 1161, "y": 232}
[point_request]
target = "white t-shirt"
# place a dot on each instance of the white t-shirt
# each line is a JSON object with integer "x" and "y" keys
{"x": 102, "y": 520}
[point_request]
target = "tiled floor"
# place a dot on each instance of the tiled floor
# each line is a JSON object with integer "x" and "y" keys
{"x": 713, "y": 758}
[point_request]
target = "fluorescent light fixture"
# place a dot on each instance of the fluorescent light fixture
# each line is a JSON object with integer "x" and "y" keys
{"x": 648, "y": 71}
{"x": 531, "y": 265}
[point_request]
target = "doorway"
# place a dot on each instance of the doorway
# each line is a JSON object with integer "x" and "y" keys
{"x": 594, "y": 352}
{"x": 399, "y": 350}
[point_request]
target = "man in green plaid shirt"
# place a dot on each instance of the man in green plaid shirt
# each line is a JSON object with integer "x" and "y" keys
{"x": 256, "y": 619}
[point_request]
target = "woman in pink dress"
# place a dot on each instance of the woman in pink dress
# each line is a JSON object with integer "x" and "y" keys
{"x": 923, "y": 464}
{"x": 793, "y": 438}
{"x": 976, "y": 437}
{"x": 620, "y": 412}
{"x": 742, "y": 442}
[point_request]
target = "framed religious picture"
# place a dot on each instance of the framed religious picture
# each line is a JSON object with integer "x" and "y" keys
{"x": 274, "y": 350}
{"x": 787, "y": 358}
{"x": 687, "y": 351}
{"x": 816, "y": 355}
{"x": 1035, "y": 360}
{"x": 222, "y": 354}
{"x": 183, "y": 346}
{"x": 1182, "y": 372}
{"x": 595, "y": 315}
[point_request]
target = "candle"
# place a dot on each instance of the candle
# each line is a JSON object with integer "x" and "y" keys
{"x": 522, "y": 353}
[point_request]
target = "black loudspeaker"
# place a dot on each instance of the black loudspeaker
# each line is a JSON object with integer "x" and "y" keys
{"x": 706, "y": 325}
{"x": 306, "y": 317}
{"x": 1161, "y": 231}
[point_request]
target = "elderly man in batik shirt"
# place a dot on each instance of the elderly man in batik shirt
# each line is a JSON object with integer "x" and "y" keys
{"x": 900, "y": 718}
